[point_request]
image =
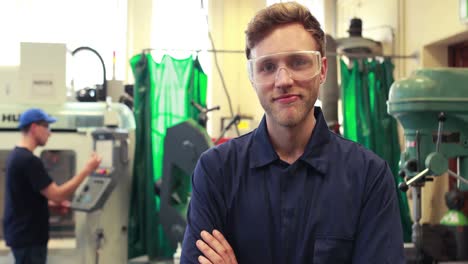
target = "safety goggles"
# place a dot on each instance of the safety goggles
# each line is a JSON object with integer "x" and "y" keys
{"x": 300, "y": 65}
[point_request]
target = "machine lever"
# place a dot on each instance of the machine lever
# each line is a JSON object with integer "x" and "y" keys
{"x": 441, "y": 119}
{"x": 404, "y": 185}
{"x": 203, "y": 109}
{"x": 202, "y": 116}
{"x": 460, "y": 178}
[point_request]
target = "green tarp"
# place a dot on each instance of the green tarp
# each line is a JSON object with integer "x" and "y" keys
{"x": 364, "y": 93}
{"x": 162, "y": 95}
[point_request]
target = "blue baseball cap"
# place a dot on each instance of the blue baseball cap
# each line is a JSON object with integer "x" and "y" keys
{"x": 34, "y": 115}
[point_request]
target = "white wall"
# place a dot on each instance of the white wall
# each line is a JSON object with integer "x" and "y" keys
{"x": 431, "y": 25}
{"x": 228, "y": 21}
{"x": 138, "y": 31}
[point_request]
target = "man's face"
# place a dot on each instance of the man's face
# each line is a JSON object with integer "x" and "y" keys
{"x": 289, "y": 99}
{"x": 41, "y": 132}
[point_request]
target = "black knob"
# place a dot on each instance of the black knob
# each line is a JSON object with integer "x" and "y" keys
{"x": 454, "y": 199}
{"x": 403, "y": 186}
{"x": 412, "y": 165}
{"x": 85, "y": 188}
{"x": 402, "y": 174}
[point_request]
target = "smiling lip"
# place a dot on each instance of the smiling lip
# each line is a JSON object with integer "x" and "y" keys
{"x": 286, "y": 99}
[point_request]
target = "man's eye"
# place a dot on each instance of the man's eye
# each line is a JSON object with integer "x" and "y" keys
{"x": 300, "y": 62}
{"x": 268, "y": 67}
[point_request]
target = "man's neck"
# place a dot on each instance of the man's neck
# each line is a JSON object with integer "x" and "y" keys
{"x": 290, "y": 142}
{"x": 27, "y": 142}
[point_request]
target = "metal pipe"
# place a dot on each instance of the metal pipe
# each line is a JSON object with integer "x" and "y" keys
{"x": 458, "y": 177}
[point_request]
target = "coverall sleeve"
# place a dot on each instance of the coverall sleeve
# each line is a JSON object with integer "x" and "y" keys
{"x": 206, "y": 209}
{"x": 379, "y": 236}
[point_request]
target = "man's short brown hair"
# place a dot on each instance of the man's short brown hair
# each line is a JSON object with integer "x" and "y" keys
{"x": 267, "y": 19}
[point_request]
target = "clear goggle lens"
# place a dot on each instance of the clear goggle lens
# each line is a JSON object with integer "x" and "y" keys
{"x": 300, "y": 65}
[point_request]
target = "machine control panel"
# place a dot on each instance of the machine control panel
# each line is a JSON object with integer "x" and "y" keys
{"x": 92, "y": 190}
{"x": 111, "y": 145}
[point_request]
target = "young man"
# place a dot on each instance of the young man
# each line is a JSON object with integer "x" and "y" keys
{"x": 29, "y": 187}
{"x": 291, "y": 191}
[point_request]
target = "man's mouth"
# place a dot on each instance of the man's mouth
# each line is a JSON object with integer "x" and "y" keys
{"x": 286, "y": 98}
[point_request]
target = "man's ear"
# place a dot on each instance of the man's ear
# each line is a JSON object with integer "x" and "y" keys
{"x": 33, "y": 126}
{"x": 323, "y": 70}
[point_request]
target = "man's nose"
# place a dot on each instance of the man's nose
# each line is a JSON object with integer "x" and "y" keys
{"x": 283, "y": 75}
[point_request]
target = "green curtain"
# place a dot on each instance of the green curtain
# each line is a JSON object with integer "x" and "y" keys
{"x": 364, "y": 89}
{"x": 162, "y": 95}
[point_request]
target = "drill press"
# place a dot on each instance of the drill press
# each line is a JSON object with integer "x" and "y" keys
{"x": 432, "y": 107}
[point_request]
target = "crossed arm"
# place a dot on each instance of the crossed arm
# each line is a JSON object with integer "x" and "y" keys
{"x": 206, "y": 214}
{"x": 215, "y": 249}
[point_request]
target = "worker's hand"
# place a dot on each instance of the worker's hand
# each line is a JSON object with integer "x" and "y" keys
{"x": 93, "y": 163}
{"x": 215, "y": 249}
{"x": 61, "y": 208}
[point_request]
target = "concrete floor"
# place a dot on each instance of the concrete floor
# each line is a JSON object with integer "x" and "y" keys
{"x": 62, "y": 252}
{"x": 144, "y": 260}
{"x": 8, "y": 259}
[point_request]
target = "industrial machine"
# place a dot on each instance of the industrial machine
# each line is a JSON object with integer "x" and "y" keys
{"x": 111, "y": 145}
{"x": 183, "y": 145}
{"x": 96, "y": 231}
{"x": 432, "y": 107}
